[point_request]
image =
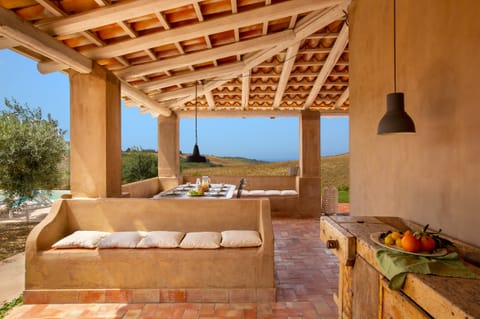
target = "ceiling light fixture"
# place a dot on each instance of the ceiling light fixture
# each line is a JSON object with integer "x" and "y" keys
{"x": 395, "y": 120}
{"x": 196, "y": 157}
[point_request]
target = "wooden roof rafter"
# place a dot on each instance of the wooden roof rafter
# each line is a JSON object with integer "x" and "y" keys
{"x": 330, "y": 63}
{"x": 250, "y": 55}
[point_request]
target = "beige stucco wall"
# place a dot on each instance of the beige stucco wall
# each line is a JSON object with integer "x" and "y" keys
{"x": 432, "y": 176}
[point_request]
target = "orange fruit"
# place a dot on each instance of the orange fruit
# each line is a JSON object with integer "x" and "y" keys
{"x": 427, "y": 243}
{"x": 410, "y": 243}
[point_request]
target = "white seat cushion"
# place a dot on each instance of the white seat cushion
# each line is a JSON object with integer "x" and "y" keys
{"x": 202, "y": 240}
{"x": 81, "y": 239}
{"x": 240, "y": 238}
{"x": 273, "y": 192}
{"x": 161, "y": 239}
{"x": 289, "y": 192}
{"x": 122, "y": 239}
{"x": 256, "y": 192}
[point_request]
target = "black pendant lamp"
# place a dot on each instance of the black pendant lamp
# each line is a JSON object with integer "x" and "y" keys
{"x": 395, "y": 120}
{"x": 196, "y": 157}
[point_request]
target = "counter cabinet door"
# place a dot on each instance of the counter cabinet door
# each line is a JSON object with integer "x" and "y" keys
{"x": 395, "y": 305}
{"x": 365, "y": 290}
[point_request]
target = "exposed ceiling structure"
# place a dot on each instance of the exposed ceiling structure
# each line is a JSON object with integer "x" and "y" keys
{"x": 247, "y": 57}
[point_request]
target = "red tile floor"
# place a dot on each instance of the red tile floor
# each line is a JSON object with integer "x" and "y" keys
{"x": 306, "y": 275}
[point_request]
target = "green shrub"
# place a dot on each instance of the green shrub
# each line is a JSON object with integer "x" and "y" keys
{"x": 343, "y": 197}
{"x": 7, "y": 306}
{"x": 138, "y": 165}
{"x": 343, "y": 187}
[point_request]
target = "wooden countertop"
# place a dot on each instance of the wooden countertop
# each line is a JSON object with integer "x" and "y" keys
{"x": 441, "y": 297}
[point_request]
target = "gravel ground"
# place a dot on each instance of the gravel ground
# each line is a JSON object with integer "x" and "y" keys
{"x": 14, "y": 232}
{"x": 12, "y": 237}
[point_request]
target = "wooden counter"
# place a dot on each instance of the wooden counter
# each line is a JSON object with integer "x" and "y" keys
{"x": 363, "y": 292}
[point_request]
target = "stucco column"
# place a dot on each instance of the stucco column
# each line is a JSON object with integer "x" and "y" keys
{"x": 308, "y": 183}
{"x": 168, "y": 146}
{"x": 309, "y": 144}
{"x": 95, "y": 135}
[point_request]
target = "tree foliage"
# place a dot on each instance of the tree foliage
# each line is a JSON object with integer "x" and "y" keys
{"x": 138, "y": 164}
{"x": 31, "y": 149}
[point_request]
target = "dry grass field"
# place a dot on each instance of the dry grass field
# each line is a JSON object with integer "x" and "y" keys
{"x": 334, "y": 169}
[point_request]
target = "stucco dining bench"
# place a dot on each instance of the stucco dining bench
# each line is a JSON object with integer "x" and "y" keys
{"x": 152, "y": 274}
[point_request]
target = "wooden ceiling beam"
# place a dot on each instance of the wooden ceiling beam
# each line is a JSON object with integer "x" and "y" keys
{"x": 286, "y": 71}
{"x": 6, "y": 43}
{"x": 108, "y": 15}
{"x": 128, "y": 30}
{"x": 225, "y": 23}
{"x": 205, "y": 56}
{"x": 211, "y": 85}
{"x": 15, "y": 28}
{"x": 316, "y": 20}
{"x": 309, "y": 24}
{"x": 176, "y": 94}
{"x": 236, "y": 67}
{"x": 299, "y": 63}
{"x": 210, "y": 100}
{"x": 345, "y": 95}
{"x": 45, "y": 67}
{"x": 332, "y": 59}
{"x": 260, "y": 75}
{"x": 144, "y": 100}
{"x": 323, "y": 35}
{"x": 245, "y": 89}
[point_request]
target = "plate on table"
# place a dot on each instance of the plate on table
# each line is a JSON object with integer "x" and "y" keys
{"x": 216, "y": 194}
{"x": 172, "y": 193}
{"x": 439, "y": 252}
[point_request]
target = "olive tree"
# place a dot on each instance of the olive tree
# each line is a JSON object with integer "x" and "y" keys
{"x": 138, "y": 164}
{"x": 31, "y": 149}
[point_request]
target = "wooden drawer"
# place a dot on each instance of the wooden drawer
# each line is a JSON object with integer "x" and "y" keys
{"x": 340, "y": 241}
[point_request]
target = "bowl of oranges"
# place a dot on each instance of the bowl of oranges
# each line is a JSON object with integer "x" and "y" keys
{"x": 422, "y": 243}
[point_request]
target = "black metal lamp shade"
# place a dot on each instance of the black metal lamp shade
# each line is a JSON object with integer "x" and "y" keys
{"x": 396, "y": 120}
{"x": 196, "y": 157}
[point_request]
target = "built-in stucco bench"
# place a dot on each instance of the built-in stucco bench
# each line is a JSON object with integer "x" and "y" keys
{"x": 154, "y": 274}
{"x": 282, "y": 201}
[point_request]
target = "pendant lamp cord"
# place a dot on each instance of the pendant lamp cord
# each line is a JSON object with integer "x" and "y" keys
{"x": 196, "y": 136}
{"x": 394, "y": 47}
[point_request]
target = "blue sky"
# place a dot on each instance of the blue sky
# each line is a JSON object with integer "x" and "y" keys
{"x": 257, "y": 138}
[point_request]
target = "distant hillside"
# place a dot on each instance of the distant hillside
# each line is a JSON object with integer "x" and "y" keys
{"x": 334, "y": 169}
{"x": 220, "y": 161}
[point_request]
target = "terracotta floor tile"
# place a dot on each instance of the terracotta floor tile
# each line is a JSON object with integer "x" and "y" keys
{"x": 306, "y": 275}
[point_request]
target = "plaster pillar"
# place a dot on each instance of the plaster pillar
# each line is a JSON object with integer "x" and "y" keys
{"x": 308, "y": 183}
{"x": 309, "y": 144}
{"x": 95, "y": 134}
{"x": 168, "y": 146}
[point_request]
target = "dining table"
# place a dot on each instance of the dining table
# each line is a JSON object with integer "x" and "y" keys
{"x": 182, "y": 191}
